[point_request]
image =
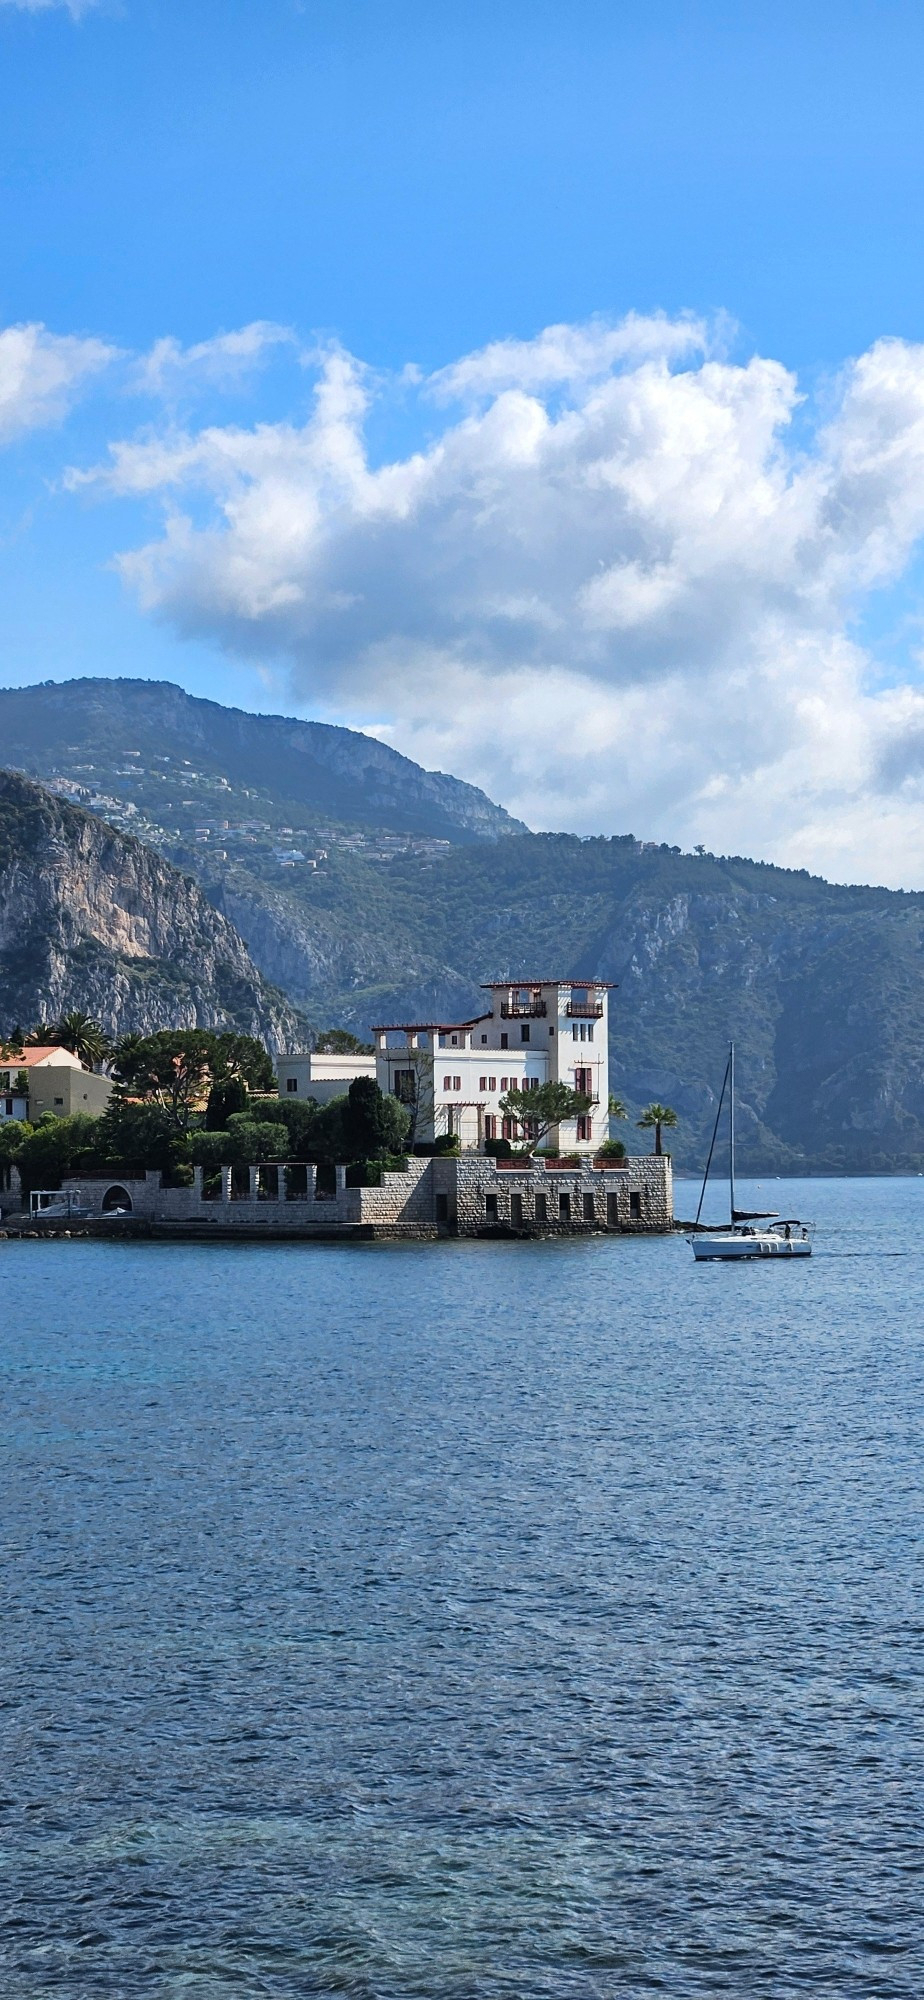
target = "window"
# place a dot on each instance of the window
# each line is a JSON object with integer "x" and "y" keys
{"x": 524, "y": 1032}
{"x": 584, "y": 1129}
{"x": 291, "y": 1082}
{"x": 457, "y": 1083}
{"x": 612, "y": 1211}
{"x": 492, "y": 1083}
{"x": 405, "y": 1086}
{"x": 9, "y": 1107}
{"x": 490, "y": 1208}
{"x": 589, "y": 1215}
{"x": 503, "y": 1083}
{"x": 447, "y": 1083}
{"x": 584, "y": 1082}
{"x": 542, "y": 1208}
{"x": 516, "y": 1211}
{"x": 590, "y": 1031}
{"x": 635, "y": 1206}
{"x": 564, "y": 1207}
{"x": 551, "y": 1033}
{"x": 484, "y": 1040}
{"x": 490, "y": 1127}
{"x": 59, "y": 1101}
{"x": 454, "y": 1041}
{"x": 482, "y": 1084}
{"x": 509, "y": 1128}
{"x": 503, "y": 1041}
{"x": 574, "y": 1031}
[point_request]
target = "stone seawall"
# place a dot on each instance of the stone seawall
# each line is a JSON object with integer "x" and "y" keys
{"x": 468, "y": 1196}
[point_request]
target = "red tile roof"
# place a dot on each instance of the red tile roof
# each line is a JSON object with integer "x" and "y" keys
{"x": 29, "y": 1057}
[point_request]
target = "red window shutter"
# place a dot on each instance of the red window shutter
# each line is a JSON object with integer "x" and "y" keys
{"x": 482, "y": 1084}
{"x": 457, "y": 1083}
{"x": 447, "y": 1083}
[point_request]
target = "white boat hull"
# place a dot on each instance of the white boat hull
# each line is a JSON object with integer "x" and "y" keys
{"x": 759, "y": 1243}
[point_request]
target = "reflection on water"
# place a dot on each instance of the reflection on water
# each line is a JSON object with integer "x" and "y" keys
{"x": 466, "y": 1620}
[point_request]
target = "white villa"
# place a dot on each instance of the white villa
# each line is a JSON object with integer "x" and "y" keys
{"x": 320, "y": 1076}
{"x": 538, "y": 1031}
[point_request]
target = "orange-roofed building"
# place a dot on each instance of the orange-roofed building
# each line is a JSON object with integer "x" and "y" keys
{"x": 49, "y": 1078}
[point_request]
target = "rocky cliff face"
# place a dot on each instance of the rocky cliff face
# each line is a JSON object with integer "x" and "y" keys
{"x": 90, "y": 918}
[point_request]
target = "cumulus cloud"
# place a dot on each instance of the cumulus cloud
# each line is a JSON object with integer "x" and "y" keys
{"x": 563, "y": 354}
{"x": 222, "y": 362}
{"x": 41, "y": 372}
{"x": 612, "y": 588}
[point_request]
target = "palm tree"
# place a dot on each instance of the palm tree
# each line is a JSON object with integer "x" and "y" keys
{"x": 657, "y": 1115}
{"x": 616, "y": 1107}
{"x": 83, "y": 1036}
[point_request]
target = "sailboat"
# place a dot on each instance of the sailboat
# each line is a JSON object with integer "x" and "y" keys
{"x": 743, "y": 1236}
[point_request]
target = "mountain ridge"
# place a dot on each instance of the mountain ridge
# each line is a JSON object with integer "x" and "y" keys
{"x": 331, "y": 769}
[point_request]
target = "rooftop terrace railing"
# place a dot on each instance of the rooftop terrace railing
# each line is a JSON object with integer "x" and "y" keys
{"x": 513, "y": 1010}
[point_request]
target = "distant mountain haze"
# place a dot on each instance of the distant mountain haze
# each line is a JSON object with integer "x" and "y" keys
{"x": 299, "y": 766}
{"x": 409, "y": 889}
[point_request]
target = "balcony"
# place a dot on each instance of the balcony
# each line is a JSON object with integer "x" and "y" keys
{"x": 585, "y": 1010}
{"x": 518, "y": 1010}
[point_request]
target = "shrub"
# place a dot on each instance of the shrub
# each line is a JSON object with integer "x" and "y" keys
{"x": 225, "y": 1099}
{"x": 498, "y": 1149}
{"x": 611, "y": 1149}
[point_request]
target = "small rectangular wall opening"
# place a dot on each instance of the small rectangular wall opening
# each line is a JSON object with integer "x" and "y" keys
{"x": 589, "y": 1210}
{"x": 635, "y": 1205}
{"x": 612, "y": 1211}
{"x": 542, "y": 1208}
{"x": 490, "y": 1208}
{"x": 442, "y": 1208}
{"x": 564, "y": 1207}
{"x": 516, "y": 1211}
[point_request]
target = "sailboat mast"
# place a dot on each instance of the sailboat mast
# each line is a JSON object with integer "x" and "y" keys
{"x": 731, "y": 1128}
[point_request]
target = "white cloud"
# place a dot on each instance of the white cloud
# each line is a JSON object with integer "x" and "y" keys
{"x": 222, "y": 362}
{"x": 76, "y": 8}
{"x": 615, "y": 591}
{"x": 40, "y": 373}
{"x": 563, "y": 354}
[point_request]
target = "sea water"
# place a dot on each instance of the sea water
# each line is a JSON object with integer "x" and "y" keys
{"x": 471, "y": 1619}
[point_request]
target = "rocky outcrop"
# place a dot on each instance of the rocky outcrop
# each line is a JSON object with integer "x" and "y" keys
{"x": 90, "y": 918}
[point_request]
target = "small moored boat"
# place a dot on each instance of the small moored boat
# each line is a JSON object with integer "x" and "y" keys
{"x": 748, "y": 1233}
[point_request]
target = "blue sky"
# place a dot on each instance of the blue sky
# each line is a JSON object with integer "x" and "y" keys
{"x": 410, "y": 184}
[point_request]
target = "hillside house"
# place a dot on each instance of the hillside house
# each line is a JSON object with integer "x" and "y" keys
{"x": 55, "y": 1081}
{"x": 537, "y": 1031}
